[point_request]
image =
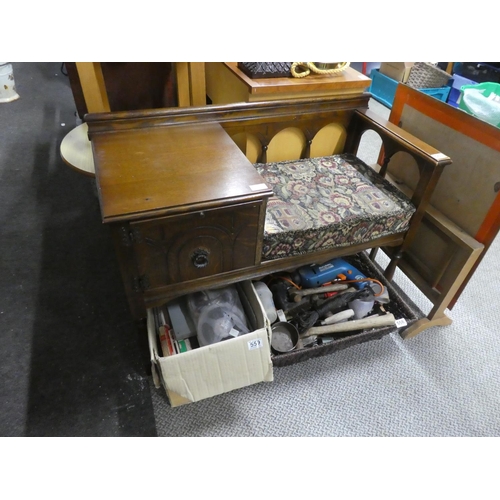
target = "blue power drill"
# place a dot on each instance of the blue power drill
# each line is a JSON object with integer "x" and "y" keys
{"x": 317, "y": 275}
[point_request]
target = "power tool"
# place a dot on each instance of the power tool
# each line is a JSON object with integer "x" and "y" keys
{"x": 315, "y": 275}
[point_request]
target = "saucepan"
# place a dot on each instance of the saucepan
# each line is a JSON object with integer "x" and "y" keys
{"x": 284, "y": 337}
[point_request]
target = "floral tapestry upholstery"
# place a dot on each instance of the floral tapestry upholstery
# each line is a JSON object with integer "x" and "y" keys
{"x": 328, "y": 202}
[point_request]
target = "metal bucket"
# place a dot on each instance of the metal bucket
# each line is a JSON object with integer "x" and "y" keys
{"x": 7, "y": 84}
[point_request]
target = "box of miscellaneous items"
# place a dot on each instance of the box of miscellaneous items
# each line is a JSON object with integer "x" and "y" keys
{"x": 222, "y": 344}
{"x": 214, "y": 341}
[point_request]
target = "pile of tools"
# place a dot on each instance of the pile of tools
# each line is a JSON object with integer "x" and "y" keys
{"x": 324, "y": 302}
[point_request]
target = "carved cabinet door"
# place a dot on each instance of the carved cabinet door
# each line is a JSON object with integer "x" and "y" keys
{"x": 195, "y": 245}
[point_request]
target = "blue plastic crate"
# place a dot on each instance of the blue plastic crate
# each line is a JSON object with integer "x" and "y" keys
{"x": 440, "y": 93}
{"x": 383, "y": 89}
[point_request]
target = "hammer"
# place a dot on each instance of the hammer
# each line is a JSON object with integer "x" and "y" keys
{"x": 349, "y": 326}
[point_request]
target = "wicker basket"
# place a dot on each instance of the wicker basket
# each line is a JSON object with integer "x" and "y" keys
{"x": 424, "y": 75}
{"x": 400, "y": 305}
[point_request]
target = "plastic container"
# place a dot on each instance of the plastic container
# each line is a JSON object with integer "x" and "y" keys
{"x": 440, "y": 93}
{"x": 383, "y": 89}
{"x": 458, "y": 82}
{"x": 218, "y": 314}
{"x": 482, "y": 101}
{"x": 7, "y": 84}
{"x": 361, "y": 307}
{"x": 266, "y": 297}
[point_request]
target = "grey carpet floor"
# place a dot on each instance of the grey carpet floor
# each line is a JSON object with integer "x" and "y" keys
{"x": 71, "y": 361}
{"x": 444, "y": 382}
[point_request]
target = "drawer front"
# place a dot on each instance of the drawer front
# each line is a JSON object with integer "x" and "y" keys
{"x": 187, "y": 247}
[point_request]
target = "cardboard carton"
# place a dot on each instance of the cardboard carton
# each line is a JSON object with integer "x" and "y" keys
{"x": 399, "y": 71}
{"x": 217, "y": 368}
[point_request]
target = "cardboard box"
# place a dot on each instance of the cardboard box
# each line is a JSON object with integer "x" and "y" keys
{"x": 217, "y": 368}
{"x": 399, "y": 71}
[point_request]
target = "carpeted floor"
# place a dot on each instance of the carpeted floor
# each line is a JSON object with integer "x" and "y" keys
{"x": 73, "y": 364}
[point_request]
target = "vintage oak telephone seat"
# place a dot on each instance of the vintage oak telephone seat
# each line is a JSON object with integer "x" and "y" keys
{"x": 188, "y": 210}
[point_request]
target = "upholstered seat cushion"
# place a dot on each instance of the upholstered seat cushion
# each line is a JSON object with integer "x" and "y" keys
{"x": 328, "y": 202}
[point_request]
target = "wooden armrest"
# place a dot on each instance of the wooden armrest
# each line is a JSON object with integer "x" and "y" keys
{"x": 430, "y": 163}
{"x": 402, "y": 140}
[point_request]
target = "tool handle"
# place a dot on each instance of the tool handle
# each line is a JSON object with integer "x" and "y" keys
{"x": 355, "y": 324}
{"x": 337, "y": 318}
{"x": 298, "y": 294}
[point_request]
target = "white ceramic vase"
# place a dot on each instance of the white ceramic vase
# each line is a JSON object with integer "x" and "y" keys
{"x": 7, "y": 84}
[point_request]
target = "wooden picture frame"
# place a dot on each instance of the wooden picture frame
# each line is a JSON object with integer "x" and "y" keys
{"x": 464, "y": 216}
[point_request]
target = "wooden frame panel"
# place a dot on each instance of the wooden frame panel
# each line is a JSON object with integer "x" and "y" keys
{"x": 462, "y": 123}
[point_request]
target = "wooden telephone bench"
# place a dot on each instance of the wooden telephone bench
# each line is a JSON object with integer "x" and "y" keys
{"x": 193, "y": 198}
{"x": 187, "y": 209}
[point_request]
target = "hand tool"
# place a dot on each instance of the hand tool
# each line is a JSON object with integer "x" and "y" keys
{"x": 297, "y": 295}
{"x": 337, "y": 318}
{"x": 355, "y": 324}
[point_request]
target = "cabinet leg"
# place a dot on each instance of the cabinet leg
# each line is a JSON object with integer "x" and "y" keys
{"x": 391, "y": 268}
{"x": 373, "y": 253}
{"x": 423, "y": 324}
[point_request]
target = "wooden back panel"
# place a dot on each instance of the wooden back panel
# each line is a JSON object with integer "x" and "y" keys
{"x": 291, "y": 143}
{"x": 263, "y": 122}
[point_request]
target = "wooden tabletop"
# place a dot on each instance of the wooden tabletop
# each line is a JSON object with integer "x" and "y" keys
{"x": 348, "y": 80}
{"x": 169, "y": 170}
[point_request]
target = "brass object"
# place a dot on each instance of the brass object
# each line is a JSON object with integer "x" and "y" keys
{"x": 327, "y": 65}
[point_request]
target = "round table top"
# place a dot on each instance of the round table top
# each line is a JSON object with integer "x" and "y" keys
{"x": 76, "y": 150}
